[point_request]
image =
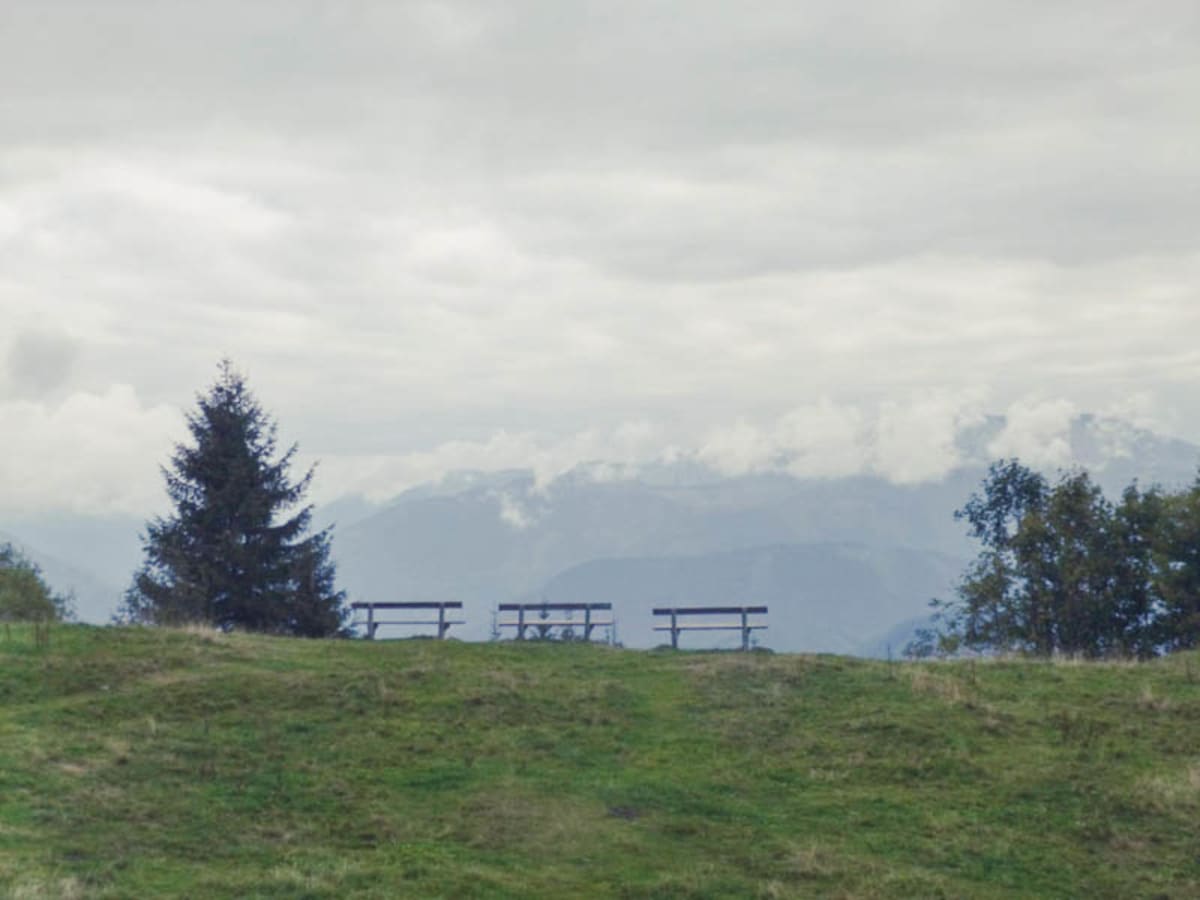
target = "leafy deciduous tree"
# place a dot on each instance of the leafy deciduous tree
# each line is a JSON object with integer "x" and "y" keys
{"x": 24, "y": 594}
{"x": 1062, "y": 570}
{"x": 1177, "y": 555}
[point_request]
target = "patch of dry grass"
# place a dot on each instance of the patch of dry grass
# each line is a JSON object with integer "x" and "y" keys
{"x": 509, "y": 815}
{"x": 934, "y": 684}
{"x": 812, "y": 861}
{"x": 48, "y": 889}
{"x": 1175, "y": 792}
{"x": 1149, "y": 700}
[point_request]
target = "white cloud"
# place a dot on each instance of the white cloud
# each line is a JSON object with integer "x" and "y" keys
{"x": 918, "y": 440}
{"x": 380, "y": 476}
{"x": 39, "y": 362}
{"x": 906, "y": 441}
{"x": 821, "y": 440}
{"x": 460, "y": 235}
{"x": 100, "y": 454}
{"x": 1038, "y": 432}
{"x": 91, "y": 454}
{"x": 513, "y": 512}
{"x": 10, "y": 222}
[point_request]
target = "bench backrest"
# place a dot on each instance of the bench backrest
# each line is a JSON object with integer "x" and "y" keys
{"x": 744, "y": 623}
{"x": 432, "y": 604}
{"x": 535, "y": 607}
{"x": 536, "y": 616}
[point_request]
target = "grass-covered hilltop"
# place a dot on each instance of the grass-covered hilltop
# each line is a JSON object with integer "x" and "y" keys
{"x": 157, "y": 762}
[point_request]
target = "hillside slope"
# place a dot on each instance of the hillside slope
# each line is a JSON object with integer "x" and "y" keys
{"x": 143, "y": 763}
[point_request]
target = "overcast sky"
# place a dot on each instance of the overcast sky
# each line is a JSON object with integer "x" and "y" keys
{"x": 445, "y": 235}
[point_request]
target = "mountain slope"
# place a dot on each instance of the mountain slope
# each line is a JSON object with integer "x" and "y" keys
{"x": 827, "y": 597}
{"x": 489, "y": 537}
{"x": 485, "y": 538}
{"x": 509, "y": 541}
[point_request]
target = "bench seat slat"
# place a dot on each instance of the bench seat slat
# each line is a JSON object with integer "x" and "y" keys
{"x": 418, "y": 622}
{"x": 533, "y": 623}
{"x": 732, "y": 626}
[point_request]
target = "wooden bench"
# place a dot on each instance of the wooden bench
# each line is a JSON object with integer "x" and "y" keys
{"x": 442, "y": 623}
{"x": 547, "y": 616}
{"x": 742, "y": 623}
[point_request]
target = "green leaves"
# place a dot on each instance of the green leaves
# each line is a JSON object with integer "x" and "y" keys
{"x": 1064, "y": 570}
{"x": 24, "y": 595}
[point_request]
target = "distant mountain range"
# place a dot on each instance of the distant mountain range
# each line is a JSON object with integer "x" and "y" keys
{"x": 846, "y": 565}
{"x": 839, "y": 562}
{"x": 826, "y": 597}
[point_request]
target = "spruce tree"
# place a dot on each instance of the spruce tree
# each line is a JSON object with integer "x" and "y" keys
{"x": 235, "y": 552}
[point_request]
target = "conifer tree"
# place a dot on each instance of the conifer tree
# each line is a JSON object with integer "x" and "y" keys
{"x": 235, "y": 552}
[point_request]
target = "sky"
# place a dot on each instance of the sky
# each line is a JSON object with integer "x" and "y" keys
{"x": 443, "y": 235}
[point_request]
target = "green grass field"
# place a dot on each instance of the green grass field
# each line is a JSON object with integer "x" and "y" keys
{"x": 150, "y": 763}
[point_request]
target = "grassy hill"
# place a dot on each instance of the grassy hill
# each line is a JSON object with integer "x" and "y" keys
{"x": 140, "y": 763}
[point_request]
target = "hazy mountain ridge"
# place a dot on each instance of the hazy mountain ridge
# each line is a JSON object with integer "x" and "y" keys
{"x": 490, "y": 537}
{"x": 687, "y": 534}
{"x": 824, "y": 597}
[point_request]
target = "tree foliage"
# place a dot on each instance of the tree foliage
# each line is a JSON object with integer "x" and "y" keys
{"x": 1177, "y": 566}
{"x": 24, "y": 594}
{"x": 236, "y": 552}
{"x": 1063, "y": 570}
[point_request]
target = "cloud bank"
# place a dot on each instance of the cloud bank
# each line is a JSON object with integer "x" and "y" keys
{"x": 452, "y": 234}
